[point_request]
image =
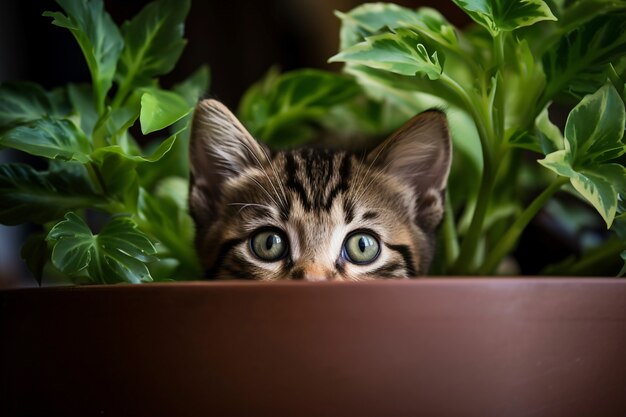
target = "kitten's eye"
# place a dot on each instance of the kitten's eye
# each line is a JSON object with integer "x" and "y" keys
{"x": 361, "y": 248}
{"x": 269, "y": 245}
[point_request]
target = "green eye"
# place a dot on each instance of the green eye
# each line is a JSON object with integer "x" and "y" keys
{"x": 361, "y": 248}
{"x": 269, "y": 245}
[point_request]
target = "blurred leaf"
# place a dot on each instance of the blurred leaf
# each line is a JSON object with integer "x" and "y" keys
{"x": 35, "y": 253}
{"x": 505, "y": 15}
{"x": 280, "y": 109}
{"x": 153, "y": 42}
{"x": 81, "y": 97}
{"x": 194, "y": 87}
{"x": 117, "y": 254}
{"x": 172, "y": 225}
{"x": 577, "y": 64}
{"x": 160, "y": 109}
{"x": 98, "y": 37}
{"x": 367, "y": 19}
{"x": 174, "y": 188}
{"x": 49, "y": 138}
{"x": 27, "y": 195}
{"x": 24, "y": 102}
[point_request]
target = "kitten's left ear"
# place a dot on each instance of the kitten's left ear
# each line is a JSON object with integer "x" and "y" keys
{"x": 419, "y": 154}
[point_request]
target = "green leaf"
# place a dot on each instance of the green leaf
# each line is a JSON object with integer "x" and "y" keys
{"x": 35, "y": 253}
{"x": 194, "y": 87}
{"x": 550, "y": 136}
{"x": 117, "y": 254}
{"x": 163, "y": 148}
{"x": 577, "y": 64}
{"x": 595, "y": 128}
{"x": 81, "y": 97}
{"x": 49, "y": 138}
{"x": 27, "y": 195}
{"x": 403, "y": 52}
{"x": 160, "y": 109}
{"x": 592, "y": 186}
{"x": 98, "y": 37}
{"x": 506, "y": 15}
{"x": 24, "y": 102}
{"x": 153, "y": 42}
{"x": 593, "y": 135}
{"x": 168, "y": 220}
{"x": 367, "y": 19}
{"x": 280, "y": 109}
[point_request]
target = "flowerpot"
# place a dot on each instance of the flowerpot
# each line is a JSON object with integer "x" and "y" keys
{"x": 429, "y": 347}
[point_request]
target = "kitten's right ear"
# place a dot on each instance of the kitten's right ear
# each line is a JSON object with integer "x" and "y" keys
{"x": 220, "y": 148}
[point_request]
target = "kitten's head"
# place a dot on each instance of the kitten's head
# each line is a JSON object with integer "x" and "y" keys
{"x": 316, "y": 214}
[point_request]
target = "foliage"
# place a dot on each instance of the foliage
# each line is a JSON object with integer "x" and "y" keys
{"x": 86, "y": 135}
{"x": 504, "y": 73}
{"x": 500, "y": 81}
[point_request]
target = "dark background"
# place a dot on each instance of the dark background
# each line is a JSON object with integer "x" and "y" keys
{"x": 239, "y": 40}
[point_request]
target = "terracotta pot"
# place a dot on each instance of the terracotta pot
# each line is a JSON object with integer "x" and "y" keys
{"x": 444, "y": 347}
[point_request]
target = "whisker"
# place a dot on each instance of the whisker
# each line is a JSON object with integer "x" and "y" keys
{"x": 247, "y": 175}
{"x": 246, "y": 205}
{"x": 283, "y": 204}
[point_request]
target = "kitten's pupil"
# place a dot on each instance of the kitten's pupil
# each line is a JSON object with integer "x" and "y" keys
{"x": 363, "y": 243}
{"x": 269, "y": 242}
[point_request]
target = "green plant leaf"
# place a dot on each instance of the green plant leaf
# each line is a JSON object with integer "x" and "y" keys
{"x": 595, "y": 127}
{"x": 81, "y": 97}
{"x": 550, "y": 136}
{"x": 49, "y": 138}
{"x": 24, "y": 102}
{"x": 27, "y": 195}
{"x": 117, "y": 254}
{"x": 167, "y": 219}
{"x": 506, "y": 15}
{"x": 153, "y": 42}
{"x": 160, "y": 109}
{"x": 158, "y": 153}
{"x": 577, "y": 64}
{"x": 35, "y": 253}
{"x": 593, "y": 137}
{"x": 194, "y": 87}
{"x": 369, "y": 19}
{"x": 280, "y": 109}
{"x": 403, "y": 52}
{"x": 98, "y": 37}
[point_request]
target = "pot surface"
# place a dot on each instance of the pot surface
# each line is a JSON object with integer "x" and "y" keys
{"x": 431, "y": 347}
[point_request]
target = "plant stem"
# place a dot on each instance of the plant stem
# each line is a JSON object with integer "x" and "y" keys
{"x": 451, "y": 242}
{"x": 507, "y": 242}
{"x": 96, "y": 178}
{"x": 470, "y": 242}
{"x": 487, "y": 139}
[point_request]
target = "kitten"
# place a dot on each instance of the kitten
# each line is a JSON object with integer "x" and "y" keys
{"x": 316, "y": 214}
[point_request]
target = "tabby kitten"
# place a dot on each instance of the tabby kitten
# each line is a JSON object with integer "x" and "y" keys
{"x": 316, "y": 214}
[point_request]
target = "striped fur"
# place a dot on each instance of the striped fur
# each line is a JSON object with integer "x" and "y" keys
{"x": 316, "y": 197}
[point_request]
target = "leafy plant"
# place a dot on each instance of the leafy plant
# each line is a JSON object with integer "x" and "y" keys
{"x": 95, "y": 164}
{"x": 112, "y": 211}
{"x": 504, "y": 73}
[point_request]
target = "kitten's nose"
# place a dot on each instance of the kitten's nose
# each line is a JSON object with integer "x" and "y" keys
{"x": 313, "y": 272}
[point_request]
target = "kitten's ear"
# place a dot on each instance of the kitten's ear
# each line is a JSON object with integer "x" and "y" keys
{"x": 419, "y": 154}
{"x": 220, "y": 148}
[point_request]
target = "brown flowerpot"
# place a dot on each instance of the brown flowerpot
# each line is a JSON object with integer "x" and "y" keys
{"x": 430, "y": 347}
